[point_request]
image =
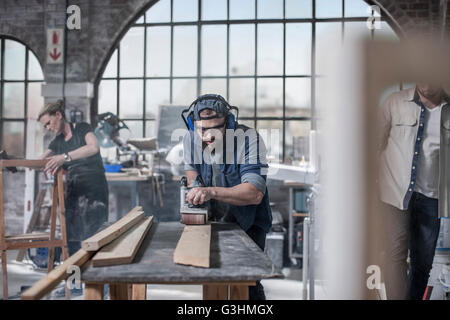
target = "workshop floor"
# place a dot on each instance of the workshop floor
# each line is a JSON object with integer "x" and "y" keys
{"x": 22, "y": 274}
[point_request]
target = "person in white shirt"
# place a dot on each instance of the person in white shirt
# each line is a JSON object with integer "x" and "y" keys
{"x": 410, "y": 185}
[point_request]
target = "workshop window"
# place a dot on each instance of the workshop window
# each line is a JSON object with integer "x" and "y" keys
{"x": 20, "y": 98}
{"x": 264, "y": 56}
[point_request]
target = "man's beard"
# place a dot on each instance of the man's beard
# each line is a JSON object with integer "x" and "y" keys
{"x": 217, "y": 146}
{"x": 430, "y": 96}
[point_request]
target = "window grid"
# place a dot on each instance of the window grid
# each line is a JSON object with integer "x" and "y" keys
{"x": 199, "y": 23}
{"x": 4, "y": 81}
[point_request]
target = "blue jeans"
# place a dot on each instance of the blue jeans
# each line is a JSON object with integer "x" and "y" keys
{"x": 417, "y": 229}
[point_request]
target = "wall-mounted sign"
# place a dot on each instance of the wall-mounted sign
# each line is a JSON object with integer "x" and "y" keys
{"x": 55, "y": 45}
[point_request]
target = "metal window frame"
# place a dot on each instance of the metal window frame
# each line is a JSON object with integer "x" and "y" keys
{"x": 26, "y": 81}
{"x": 199, "y": 23}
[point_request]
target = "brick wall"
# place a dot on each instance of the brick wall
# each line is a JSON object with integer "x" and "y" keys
{"x": 105, "y": 21}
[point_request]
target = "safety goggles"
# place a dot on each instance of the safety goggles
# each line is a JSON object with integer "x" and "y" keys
{"x": 204, "y": 129}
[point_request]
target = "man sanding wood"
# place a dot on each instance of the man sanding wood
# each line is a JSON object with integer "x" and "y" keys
{"x": 226, "y": 164}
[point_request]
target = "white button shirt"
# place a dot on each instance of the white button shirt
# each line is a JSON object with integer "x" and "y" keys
{"x": 402, "y": 128}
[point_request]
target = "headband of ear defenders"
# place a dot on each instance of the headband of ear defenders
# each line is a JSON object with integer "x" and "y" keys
{"x": 213, "y": 102}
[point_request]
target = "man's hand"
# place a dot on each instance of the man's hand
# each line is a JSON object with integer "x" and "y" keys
{"x": 54, "y": 163}
{"x": 197, "y": 196}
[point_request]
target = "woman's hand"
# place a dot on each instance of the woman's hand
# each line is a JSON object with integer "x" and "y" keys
{"x": 54, "y": 163}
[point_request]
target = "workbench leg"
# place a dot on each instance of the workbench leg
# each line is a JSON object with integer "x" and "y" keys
{"x": 93, "y": 291}
{"x": 119, "y": 291}
{"x": 238, "y": 292}
{"x": 139, "y": 292}
{"x": 5, "y": 276}
{"x": 215, "y": 292}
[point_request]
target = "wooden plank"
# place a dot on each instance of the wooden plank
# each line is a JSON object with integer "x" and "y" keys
{"x": 139, "y": 292}
{"x": 53, "y": 278}
{"x": 215, "y": 292}
{"x": 239, "y": 292}
{"x": 292, "y": 183}
{"x": 23, "y": 163}
{"x": 93, "y": 291}
{"x": 123, "y": 249}
{"x": 111, "y": 233}
{"x": 34, "y": 244}
{"x": 193, "y": 248}
{"x": 300, "y": 214}
{"x": 28, "y": 237}
{"x": 119, "y": 291}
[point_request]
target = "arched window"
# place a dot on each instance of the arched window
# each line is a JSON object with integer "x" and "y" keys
{"x": 259, "y": 54}
{"x": 20, "y": 98}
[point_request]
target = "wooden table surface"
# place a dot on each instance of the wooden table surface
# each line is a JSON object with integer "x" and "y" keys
{"x": 235, "y": 259}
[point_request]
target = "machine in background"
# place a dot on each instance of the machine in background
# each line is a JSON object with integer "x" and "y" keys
{"x": 112, "y": 132}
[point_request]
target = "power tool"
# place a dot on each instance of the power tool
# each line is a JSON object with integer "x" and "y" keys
{"x": 191, "y": 214}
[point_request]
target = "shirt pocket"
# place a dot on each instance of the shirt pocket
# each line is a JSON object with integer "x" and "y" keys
{"x": 404, "y": 127}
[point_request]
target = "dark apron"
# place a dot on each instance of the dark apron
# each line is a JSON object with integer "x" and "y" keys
{"x": 86, "y": 200}
{"x": 86, "y": 205}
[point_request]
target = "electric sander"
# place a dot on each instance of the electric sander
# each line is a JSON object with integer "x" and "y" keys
{"x": 191, "y": 214}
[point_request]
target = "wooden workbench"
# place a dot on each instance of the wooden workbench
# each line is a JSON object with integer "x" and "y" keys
{"x": 236, "y": 263}
{"x": 131, "y": 181}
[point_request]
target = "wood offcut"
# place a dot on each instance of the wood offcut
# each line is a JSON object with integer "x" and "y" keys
{"x": 193, "y": 248}
{"x": 111, "y": 233}
{"x": 123, "y": 249}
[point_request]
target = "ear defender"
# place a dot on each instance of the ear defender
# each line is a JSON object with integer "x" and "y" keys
{"x": 231, "y": 121}
{"x": 189, "y": 120}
